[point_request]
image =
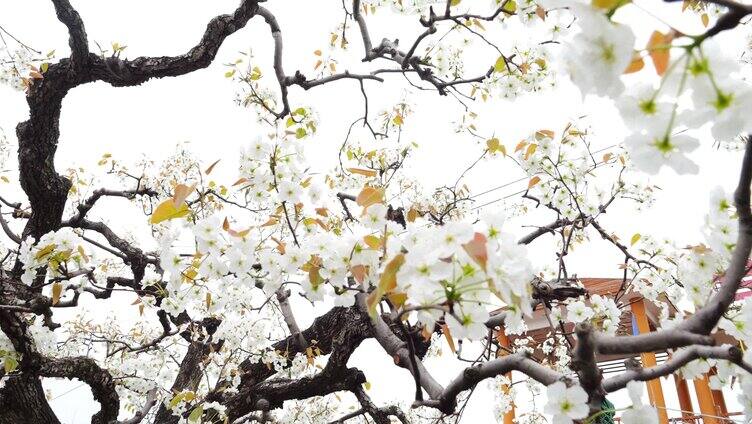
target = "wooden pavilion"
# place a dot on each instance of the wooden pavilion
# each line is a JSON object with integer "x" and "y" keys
{"x": 641, "y": 317}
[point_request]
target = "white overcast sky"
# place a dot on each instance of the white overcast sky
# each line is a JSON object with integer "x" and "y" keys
{"x": 198, "y": 108}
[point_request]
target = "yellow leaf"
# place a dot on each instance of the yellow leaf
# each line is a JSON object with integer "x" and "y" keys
{"x": 412, "y": 215}
{"x": 46, "y": 250}
{"x": 533, "y": 181}
{"x": 271, "y": 221}
{"x": 365, "y": 172}
{"x": 397, "y": 299}
{"x": 10, "y": 363}
{"x": 372, "y": 241}
{"x": 494, "y": 145}
{"x": 635, "y": 238}
{"x": 387, "y": 282}
{"x": 57, "y": 290}
{"x": 606, "y": 4}
{"x": 705, "y": 19}
{"x": 541, "y": 134}
{"x": 314, "y": 277}
{"x": 167, "y": 210}
{"x": 398, "y": 120}
{"x": 369, "y": 196}
{"x": 82, "y": 253}
{"x": 501, "y": 64}
{"x": 530, "y": 150}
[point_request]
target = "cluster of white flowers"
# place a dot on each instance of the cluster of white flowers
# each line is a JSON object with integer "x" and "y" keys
{"x": 13, "y": 65}
{"x": 702, "y": 85}
{"x": 601, "y": 312}
{"x": 455, "y": 266}
{"x": 562, "y": 172}
{"x": 528, "y": 73}
{"x": 504, "y": 395}
{"x": 596, "y": 57}
{"x": 60, "y": 252}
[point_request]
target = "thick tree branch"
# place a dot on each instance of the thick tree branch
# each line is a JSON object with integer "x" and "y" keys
{"x": 78, "y": 42}
{"x": 471, "y": 376}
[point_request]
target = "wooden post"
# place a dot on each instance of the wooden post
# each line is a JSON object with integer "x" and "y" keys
{"x": 718, "y": 399}
{"x": 705, "y": 399}
{"x": 504, "y": 341}
{"x": 655, "y": 391}
{"x": 685, "y": 401}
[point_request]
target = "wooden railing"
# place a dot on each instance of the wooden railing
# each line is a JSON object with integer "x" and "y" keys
{"x": 733, "y": 418}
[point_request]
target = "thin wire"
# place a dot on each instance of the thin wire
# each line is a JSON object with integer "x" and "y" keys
{"x": 525, "y": 178}
{"x": 516, "y": 181}
{"x": 65, "y": 393}
{"x": 498, "y": 200}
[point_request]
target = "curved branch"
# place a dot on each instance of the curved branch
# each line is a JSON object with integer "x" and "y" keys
{"x": 471, "y": 376}
{"x": 99, "y": 380}
{"x": 78, "y": 40}
{"x": 121, "y": 73}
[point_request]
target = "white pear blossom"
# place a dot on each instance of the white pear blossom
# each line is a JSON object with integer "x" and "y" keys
{"x": 598, "y": 56}
{"x": 566, "y": 404}
{"x": 638, "y": 413}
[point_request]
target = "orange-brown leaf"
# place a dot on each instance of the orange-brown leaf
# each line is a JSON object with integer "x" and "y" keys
{"x": 476, "y": 249}
{"x": 659, "y": 47}
{"x": 450, "y": 339}
{"x": 369, "y": 196}
{"x": 364, "y": 172}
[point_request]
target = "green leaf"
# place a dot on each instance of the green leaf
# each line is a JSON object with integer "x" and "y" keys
{"x": 501, "y": 64}
{"x": 300, "y": 133}
{"x": 196, "y": 414}
{"x": 635, "y": 239}
{"x": 10, "y": 364}
{"x": 510, "y": 6}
